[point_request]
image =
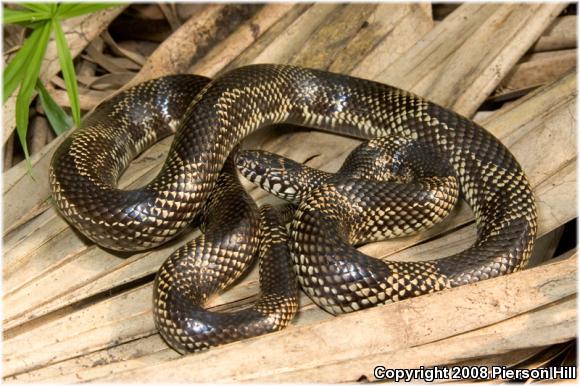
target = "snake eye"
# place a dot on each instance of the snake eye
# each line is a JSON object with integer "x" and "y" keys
{"x": 260, "y": 169}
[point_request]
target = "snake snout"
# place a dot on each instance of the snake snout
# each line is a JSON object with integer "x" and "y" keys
{"x": 273, "y": 173}
{"x": 247, "y": 164}
{"x": 259, "y": 166}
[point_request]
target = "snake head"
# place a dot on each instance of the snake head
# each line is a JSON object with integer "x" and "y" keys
{"x": 265, "y": 169}
{"x": 278, "y": 175}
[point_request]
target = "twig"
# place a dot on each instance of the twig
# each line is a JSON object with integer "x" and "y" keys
{"x": 134, "y": 56}
{"x": 169, "y": 13}
{"x": 8, "y": 152}
{"x": 38, "y": 133}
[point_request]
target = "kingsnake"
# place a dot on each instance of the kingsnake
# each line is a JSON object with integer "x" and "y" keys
{"x": 211, "y": 117}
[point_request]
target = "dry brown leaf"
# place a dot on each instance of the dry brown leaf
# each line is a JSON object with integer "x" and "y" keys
{"x": 134, "y": 56}
{"x": 201, "y": 30}
{"x": 548, "y": 325}
{"x": 141, "y": 47}
{"x": 268, "y": 38}
{"x": 111, "y": 81}
{"x": 8, "y": 150}
{"x": 88, "y": 99}
{"x": 464, "y": 58}
{"x": 389, "y": 32}
{"x": 297, "y": 350}
{"x": 170, "y": 15}
{"x": 110, "y": 63}
{"x": 226, "y": 51}
{"x": 560, "y": 35}
{"x": 286, "y": 44}
{"x": 38, "y": 133}
{"x": 330, "y": 39}
{"x": 536, "y": 70}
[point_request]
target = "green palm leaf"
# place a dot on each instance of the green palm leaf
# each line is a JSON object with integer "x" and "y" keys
{"x": 38, "y": 7}
{"x": 58, "y": 118}
{"x": 24, "y": 68}
{"x": 16, "y": 69}
{"x": 12, "y": 16}
{"x": 27, "y": 88}
{"x": 68, "y": 71}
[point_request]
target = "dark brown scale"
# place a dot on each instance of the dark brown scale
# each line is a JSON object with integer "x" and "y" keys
{"x": 209, "y": 264}
{"x": 246, "y": 99}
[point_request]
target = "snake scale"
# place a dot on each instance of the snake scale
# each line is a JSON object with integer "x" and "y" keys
{"x": 211, "y": 117}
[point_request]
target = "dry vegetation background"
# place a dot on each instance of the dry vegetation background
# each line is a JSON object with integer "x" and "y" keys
{"x": 74, "y": 312}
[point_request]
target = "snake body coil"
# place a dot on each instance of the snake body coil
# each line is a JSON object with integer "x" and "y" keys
{"x": 219, "y": 114}
{"x": 209, "y": 264}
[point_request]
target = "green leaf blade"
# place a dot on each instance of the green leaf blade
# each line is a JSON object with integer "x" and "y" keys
{"x": 68, "y": 71}
{"x": 12, "y": 16}
{"x": 27, "y": 88}
{"x": 38, "y": 7}
{"x": 17, "y": 68}
{"x": 58, "y": 118}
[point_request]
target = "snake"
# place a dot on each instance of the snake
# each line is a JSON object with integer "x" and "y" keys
{"x": 210, "y": 117}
